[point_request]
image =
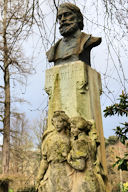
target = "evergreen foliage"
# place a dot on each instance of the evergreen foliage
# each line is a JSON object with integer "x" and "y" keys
{"x": 120, "y": 109}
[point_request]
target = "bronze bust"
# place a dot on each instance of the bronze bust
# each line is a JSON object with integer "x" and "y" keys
{"x": 75, "y": 45}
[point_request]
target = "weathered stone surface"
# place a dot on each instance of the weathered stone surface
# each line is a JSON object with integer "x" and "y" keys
{"x": 63, "y": 83}
{"x": 75, "y": 88}
{"x": 53, "y": 175}
{"x": 70, "y": 160}
{"x": 83, "y": 157}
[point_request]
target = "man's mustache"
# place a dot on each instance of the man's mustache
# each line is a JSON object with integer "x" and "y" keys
{"x": 66, "y": 24}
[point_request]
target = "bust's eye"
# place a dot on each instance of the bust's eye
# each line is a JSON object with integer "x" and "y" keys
{"x": 67, "y": 14}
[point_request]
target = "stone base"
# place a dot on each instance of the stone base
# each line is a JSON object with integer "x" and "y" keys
{"x": 75, "y": 88}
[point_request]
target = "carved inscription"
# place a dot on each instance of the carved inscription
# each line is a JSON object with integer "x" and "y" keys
{"x": 65, "y": 75}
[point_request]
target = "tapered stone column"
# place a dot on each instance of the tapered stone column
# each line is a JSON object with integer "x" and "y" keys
{"x": 75, "y": 88}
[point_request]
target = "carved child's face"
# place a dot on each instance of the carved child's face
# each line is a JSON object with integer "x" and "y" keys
{"x": 59, "y": 123}
{"x": 68, "y": 21}
{"x": 74, "y": 129}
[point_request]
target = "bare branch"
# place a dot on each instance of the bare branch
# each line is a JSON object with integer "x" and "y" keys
{"x": 2, "y": 87}
{"x": 55, "y": 5}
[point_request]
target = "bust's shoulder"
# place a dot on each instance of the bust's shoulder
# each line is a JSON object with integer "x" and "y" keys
{"x": 51, "y": 52}
{"x": 83, "y": 41}
{"x": 47, "y": 133}
{"x": 90, "y": 41}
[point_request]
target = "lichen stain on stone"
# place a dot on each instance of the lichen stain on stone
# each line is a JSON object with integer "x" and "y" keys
{"x": 56, "y": 99}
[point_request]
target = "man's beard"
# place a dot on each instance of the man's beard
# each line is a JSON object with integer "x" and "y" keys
{"x": 67, "y": 29}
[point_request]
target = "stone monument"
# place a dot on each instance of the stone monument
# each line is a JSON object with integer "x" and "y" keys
{"x": 73, "y": 150}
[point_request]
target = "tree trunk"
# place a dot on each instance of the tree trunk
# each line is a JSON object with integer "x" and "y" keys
{"x": 6, "y": 138}
{"x": 6, "y": 128}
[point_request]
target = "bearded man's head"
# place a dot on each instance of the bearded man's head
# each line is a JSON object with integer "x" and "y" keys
{"x": 70, "y": 19}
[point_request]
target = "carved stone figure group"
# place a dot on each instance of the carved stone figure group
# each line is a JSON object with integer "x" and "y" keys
{"x": 69, "y": 157}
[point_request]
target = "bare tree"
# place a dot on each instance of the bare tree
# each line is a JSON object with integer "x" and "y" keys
{"x": 21, "y": 145}
{"x": 39, "y": 126}
{"x": 16, "y": 22}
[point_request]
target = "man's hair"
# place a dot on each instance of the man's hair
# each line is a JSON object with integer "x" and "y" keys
{"x": 75, "y": 10}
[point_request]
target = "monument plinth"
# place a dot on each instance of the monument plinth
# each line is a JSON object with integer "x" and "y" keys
{"x": 75, "y": 88}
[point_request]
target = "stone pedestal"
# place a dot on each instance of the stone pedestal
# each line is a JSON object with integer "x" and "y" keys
{"x": 75, "y": 88}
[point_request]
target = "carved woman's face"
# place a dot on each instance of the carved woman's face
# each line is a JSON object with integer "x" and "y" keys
{"x": 59, "y": 123}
